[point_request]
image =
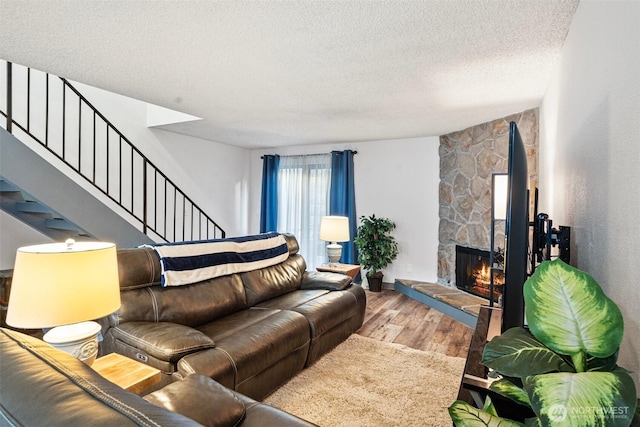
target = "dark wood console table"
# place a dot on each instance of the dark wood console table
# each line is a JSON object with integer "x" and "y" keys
{"x": 474, "y": 378}
{"x": 474, "y": 386}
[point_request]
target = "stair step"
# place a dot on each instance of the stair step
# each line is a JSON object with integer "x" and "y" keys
{"x": 62, "y": 224}
{"x": 32, "y": 207}
{"x": 26, "y": 208}
{"x": 8, "y": 187}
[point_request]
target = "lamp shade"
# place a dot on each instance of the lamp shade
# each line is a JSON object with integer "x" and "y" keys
{"x": 63, "y": 283}
{"x": 334, "y": 229}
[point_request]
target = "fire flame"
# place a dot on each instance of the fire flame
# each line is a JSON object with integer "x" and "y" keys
{"x": 482, "y": 277}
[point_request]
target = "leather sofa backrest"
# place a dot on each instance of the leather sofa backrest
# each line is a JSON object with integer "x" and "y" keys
{"x": 190, "y": 305}
{"x": 138, "y": 268}
{"x": 45, "y": 386}
{"x": 270, "y": 282}
{"x": 144, "y": 299}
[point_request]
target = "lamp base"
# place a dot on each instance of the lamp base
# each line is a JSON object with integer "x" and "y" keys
{"x": 79, "y": 339}
{"x": 334, "y": 251}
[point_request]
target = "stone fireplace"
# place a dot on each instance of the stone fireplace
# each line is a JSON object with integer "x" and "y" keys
{"x": 467, "y": 160}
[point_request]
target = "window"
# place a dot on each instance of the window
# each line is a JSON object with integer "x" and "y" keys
{"x": 297, "y": 191}
{"x": 303, "y": 199}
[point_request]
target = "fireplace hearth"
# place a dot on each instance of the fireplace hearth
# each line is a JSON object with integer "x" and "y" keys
{"x": 473, "y": 270}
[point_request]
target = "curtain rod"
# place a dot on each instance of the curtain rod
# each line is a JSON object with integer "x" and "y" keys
{"x": 315, "y": 154}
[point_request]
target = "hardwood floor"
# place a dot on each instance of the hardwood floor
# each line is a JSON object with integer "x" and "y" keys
{"x": 394, "y": 317}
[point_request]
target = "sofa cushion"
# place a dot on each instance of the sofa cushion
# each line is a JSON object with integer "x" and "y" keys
{"x": 253, "y": 341}
{"x": 165, "y": 341}
{"x": 324, "y": 280}
{"x": 201, "y": 397}
{"x": 292, "y": 299}
{"x": 323, "y": 311}
{"x": 332, "y": 315}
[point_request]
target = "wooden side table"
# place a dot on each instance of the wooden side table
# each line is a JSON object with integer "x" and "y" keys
{"x": 129, "y": 374}
{"x": 348, "y": 269}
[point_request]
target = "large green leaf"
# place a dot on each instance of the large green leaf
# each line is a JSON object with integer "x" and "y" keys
{"x": 464, "y": 415}
{"x": 489, "y": 407}
{"x": 568, "y": 312}
{"x": 606, "y": 364}
{"x": 582, "y": 399}
{"x": 517, "y": 353}
{"x": 510, "y": 390}
{"x": 533, "y": 422}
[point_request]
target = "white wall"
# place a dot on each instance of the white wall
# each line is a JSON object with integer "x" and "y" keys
{"x": 397, "y": 179}
{"x": 15, "y": 234}
{"x": 589, "y": 158}
{"x": 222, "y": 175}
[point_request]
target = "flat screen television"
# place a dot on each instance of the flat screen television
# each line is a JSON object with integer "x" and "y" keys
{"x": 516, "y": 231}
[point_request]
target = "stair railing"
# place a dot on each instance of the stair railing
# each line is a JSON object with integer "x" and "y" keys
{"x": 74, "y": 131}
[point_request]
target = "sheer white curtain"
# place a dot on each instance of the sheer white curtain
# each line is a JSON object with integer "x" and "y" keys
{"x": 303, "y": 199}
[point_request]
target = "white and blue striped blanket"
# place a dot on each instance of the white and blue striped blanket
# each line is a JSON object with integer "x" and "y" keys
{"x": 191, "y": 262}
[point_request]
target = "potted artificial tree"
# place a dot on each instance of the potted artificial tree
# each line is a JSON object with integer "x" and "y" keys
{"x": 564, "y": 366}
{"x": 376, "y": 248}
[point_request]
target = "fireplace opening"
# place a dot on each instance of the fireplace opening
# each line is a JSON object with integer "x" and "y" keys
{"x": 473, "y": 270}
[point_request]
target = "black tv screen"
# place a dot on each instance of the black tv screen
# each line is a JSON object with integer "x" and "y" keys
{"x": 517, "y": 232}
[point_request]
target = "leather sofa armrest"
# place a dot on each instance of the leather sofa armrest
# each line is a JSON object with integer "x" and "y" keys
{"x": 201, "y": 399}
{"x": 163, "y": 340}
{"x": 260, "y": 414}
{"x": 323, "y": 280}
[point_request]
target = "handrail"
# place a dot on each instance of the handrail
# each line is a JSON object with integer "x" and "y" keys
{"x": 105, "y": 158}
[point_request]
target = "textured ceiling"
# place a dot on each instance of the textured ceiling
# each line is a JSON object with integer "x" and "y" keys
{"x": 271, "y": 73}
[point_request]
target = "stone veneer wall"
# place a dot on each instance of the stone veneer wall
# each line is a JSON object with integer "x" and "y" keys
{"x": 467, "y": 160}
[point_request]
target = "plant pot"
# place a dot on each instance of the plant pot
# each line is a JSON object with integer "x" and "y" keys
{"x": 375, "y": 281}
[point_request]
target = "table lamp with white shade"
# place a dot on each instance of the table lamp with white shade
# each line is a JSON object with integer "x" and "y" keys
{"x": 334, "y": 229}
{"x": 65, "y": 286}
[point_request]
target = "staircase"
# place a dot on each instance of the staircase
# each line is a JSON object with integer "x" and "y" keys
{"x": 29, "y": 210}
{"x": 61, "y": 200}
{"x": 67, "y": 171}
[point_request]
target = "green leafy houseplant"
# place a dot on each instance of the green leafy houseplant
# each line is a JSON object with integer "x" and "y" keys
{"x": 564, "y": 367}
{"x": 376, "y": 247}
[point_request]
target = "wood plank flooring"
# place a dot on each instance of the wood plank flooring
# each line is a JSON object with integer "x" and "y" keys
{"x": 393, "y": 317}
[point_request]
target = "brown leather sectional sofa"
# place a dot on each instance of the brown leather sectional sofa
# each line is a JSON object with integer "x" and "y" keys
{"x": 43, "y": 386}
{"x": 250, "y": 332}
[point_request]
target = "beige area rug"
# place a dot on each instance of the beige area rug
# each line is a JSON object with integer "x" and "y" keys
{"x": 365, "y": 382}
